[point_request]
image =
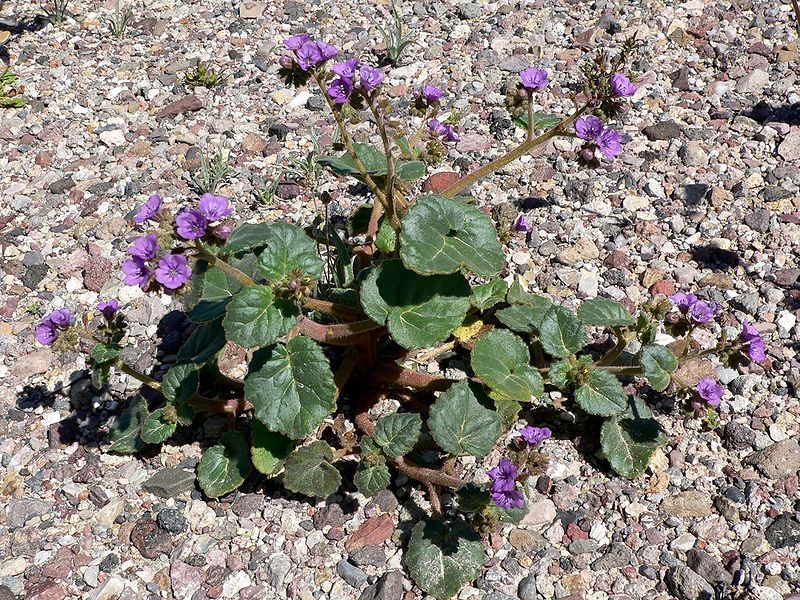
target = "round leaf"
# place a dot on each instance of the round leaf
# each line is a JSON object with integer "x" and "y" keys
{"x": 561, "y": 332}
{"x": 308, "y": 471}
{"x": 460, "y": 422}
{"x": 291, "y": 387}
{"x": 398, "y": 433}
{"x": 254, "y": 318}
{"x": 485, "y": 296}
{"x": 443, "y": 236}
{"x": 155, "y": 429}
{"x": 125, "y": 433}
{"x": 224, "y": 467}
{"x": 657, "y": 364}
{"x": 204, "y": 343}
{"x": 289, "y": 249}
{"x": 371, "y": 479}
{"x": 602, "y": 394}
{"x": 419, "y": 311}
{"x": 603, "y": 312}
{"x": 444, "y": 557}
{"x": 501, "y": 360}
{"x": 247, "y": 236}
{"x": 269, "y": 450}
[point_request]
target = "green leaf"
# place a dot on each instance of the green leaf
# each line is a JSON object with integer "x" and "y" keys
{"x": 309, "y": 471}
{"x": 629, "y": 440}
{"x": 125, "y": 433}
{"x": 508, "y": 515}
{"x": 419, "y": 311}
{"x": 270, "y": 449}
{"x": 254, "y": 318}
{"x": 442, "y": 236}
{"x": 248, "y": 236}
{"x": 460, "y": 422}
{"x": 386, "y": 239}
{"x": 602, "y": 394}
{"x": 291, "y": 387}
{"x": 411, "y": 170}
{"x": 216, "y": 291}
{"x": 508, "y": 410}
{"x": 398, "y": 433}
{"x": 658, "y": 362}
{"x": 289, "y": 249}
{"x": 541, "y": 120}
{"x": 485, "y": 296}
{"x": 180, "y": 383}
{"x": 473, "y": 498}
{"x": 204, "y": 343}
{"x": 155, "y": 429}
{"x": 371, "y": 479}
{"x": 443, "y": 557}
{"x": 103, "y": 353}
{"x": 524, "y": 319}
{"x": 224, "y": 467}
{"x": 560, "y": 374}
{"x": 561, "y": 332}
{"x": 501, "y": 360}
{"x": 603, "y": 312}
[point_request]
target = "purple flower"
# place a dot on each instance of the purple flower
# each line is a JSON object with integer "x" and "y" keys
{"x": 522, "y": 224}
{"x": 757, "y": 350}
{"x": 215, "y": 208}
{"x": 610, "y": 143}
{"x": 749, "y": 332}
{"x": 682, "y": 301}
{"x": 346, "y": 69}
{"x": 61, "y": 318}
{"x": 296, "y": 41}
{"x": 508, "y": 499}
{"x": 370, "y": 77}
{"x": 340, "y": 90}
{"x": 446, "y": 131}
{"x": 326, "y": 51}
{"x": 710, "y": 391}
{"x": 136, "y": 272}
{"x": 622, "y": 86}
{"x": 308, "y": 55}
{"x": 589, "y": 127}
{"x": 504, "y": 475}
{"x": 702, "y": 312}
{"x": 431, "y": 94}
{"x": 223, "y": 231}
{"x": 533, "y": 78}
{"x": 46, "y": 332}
{"x": 535, "y": 435}
{"x": 191, "y": 224}
{"x": 173, "y": 271}
{"x": 145, "y": 247}
{"x": 108, "y": 309}
{"x": 149, "y": 209}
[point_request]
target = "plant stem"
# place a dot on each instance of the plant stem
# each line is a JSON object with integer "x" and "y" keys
{"x": 345, "y": 334}
{"x": 513, "y": 154}
{"x": 429, "y": 114}
{"x": 796, "y": 8}
{"x": 340, "y": 311}
{"x": 387, "y": 150}
{"x": 531, "y": 118}
{"x": 389, "y": 372}
{"x": 614, "y": 353}
{"x": 215, "y": 261}
{"x": 128, "y": 370}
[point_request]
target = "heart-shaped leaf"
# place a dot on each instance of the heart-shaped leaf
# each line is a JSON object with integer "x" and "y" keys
{"x": 255, "y": 318}
{"x": 371, "y": 479}
{"x": 658, "y": 363}
{"x": 561, "y": 333}
{"x": 501, "y": 360}
{"x": 398, "y": 433}
{"x": 419, "y": 311}
{"x": 442, "y": 236}
{"x": 443, "y": 557}
{"x": 485, "y": 296}
{"x": 125, "y": 433}
{"x": 602, "y": 394}
{"x": 460, "y": 421}
{"x": 204, "y": 343}
{"x": 156, "y": 429}
{"x": 291, "y": 387}
{"x": 289, "y": 249}
{"x": 224, "y": 467}
{"x": 309, "y": 471}
{"x": 270, "y": 449}
{"x": 411, "y": 170}
{"x": 216, "y": 290}
{"x": 603, "y": 312}
{"x": 374, "y": 161}
{"x": 629, "y": 440}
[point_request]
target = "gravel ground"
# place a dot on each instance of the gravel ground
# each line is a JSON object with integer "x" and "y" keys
{"x": 705, "y": 197}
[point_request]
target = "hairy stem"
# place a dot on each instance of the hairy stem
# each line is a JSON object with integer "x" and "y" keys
{"x": 390, "y": 174}
{"x": 345, "y": 334}
{"x": 389, "y": 372}
{"x": 512, "y": 155}
{"x": 618, "y": 348}
{"x": 145, "y": 379}
{"x": 215, "y": 261}
{"x": 340, "y": 311}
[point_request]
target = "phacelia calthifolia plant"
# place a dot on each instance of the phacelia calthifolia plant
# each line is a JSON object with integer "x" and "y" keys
{"x": 346, "y": 331}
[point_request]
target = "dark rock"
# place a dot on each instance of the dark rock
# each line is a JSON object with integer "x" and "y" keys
{"x": 783, "y": 531}
{"x": 470, "y": 10}
{"x": 279, "y": 131}
{"x": 149, "y": 540}
{"x": 169, "y": 483}
{"x": 288, "y": 190}
{"x": 693, "y": 194}
{"x": 707, "y": 567}
{"x": 247, "y": 504}
{"x": 369, "y": 555}
{"x": 330, "y": 516}
{"x": 739, "y": 436}
{"x": 688, "y": 585}
{"x": 186, "y": 104}
{"x": 758, "y": 220}
{"x": 388, "y": 587}
{"x": 62, "y": 185}
{"x": 20, "y": 511}
{"x": 98, "y": 496}
{"x": 351, "y": 573}
{"x": 583, "y": 546}
{"x": 680, "y": 79}
{"x": 385, "y": 500}
{"x": 664, "y": 130}
{"x": 172, "y": 520}
{"x": 81, "y": 396}
{"x": 109, "y": 563}
{"x": 33, "y": 276}
{"x": 617, "y": 556}
{"x": 526, "y": 590}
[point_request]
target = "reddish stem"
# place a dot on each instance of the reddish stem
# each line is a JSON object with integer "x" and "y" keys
{"x": 388, "y": 372}
{"x": 344, "y": 334}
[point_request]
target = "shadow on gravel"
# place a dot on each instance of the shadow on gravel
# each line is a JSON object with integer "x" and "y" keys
{"x": 716, "y": 259}
{"x": 764, "y": 112}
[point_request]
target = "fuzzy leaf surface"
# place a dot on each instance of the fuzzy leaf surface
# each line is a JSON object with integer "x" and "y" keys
{"x": 255, "y": 318}
{"x": 461, "y": 423}
{"x": 501, "y": 360}
{"x": 224, "y": 466}
{"x": 309, "y": 471}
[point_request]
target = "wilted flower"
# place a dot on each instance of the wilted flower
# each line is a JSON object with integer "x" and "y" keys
{"x": 173, "y": 271}
{"x": 214, "y": 208}
{"x": 535, "y": 435}
{"x": 370, "y": 77}
{"x": 702, "y": 312}
{"x": 446, "y": 131}
{"x": 622, "y": 86}
{"x": 145, "y": 247}
{"x": 108, "y": 308}
{"x": 340, "y": 90}
{"x": 710, "y": 391}
{"x": 191, "y": 223}
{"x": 533, "y": 78}
{"x": 346, "y": 69}
{"x": 136, "y": 272}
{"x": 589, "y": 127}
{"x": 149, "y": 209}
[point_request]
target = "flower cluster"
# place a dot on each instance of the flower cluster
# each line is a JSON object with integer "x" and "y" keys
{"x": 504, "y": 480}
{"x": 193, "y": 223}
{"x": 48, "y": 330}
{"x": 695, "y": 310}
{"x": 535, "y": 435}
{"x": 172, "y": 270}
{"x": 598, "y": 137}
{"x": 343, "y": 85}
{"x": 310, "y": 53}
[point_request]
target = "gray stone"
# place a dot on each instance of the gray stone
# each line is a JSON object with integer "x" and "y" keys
{"x": 783, "y": 531}
{"x": 515, "y": 63}
{"x": 277, "y": 569}
{"x": 33, "y": 276}
{"x": 388, "y": 587}
{"x": 778, "y": 461}
{"x": 351, "y": 573}
{"x": 470, "y": 10}
{"x": 688, "y": 585}
{"x": 171, "y": 519}
{"x": 109, "y": 563}
{"x": 247, "y": 504}
{"x": 169, "y": 483}
{"x": 739, "y": 436}
{"x": 663, "y": 130}
{"x": 20, "y": 511}
{"x": 753, "y": 82}
{"x": 373, "y": 555}
{"x": 691, "y": 503}
{"x": 758, "y": 220}
{"x": 618, "y": 555}
{"x": 526, "y": 590}
{"x": 583, "y": 546}
{"x": 6, "y": 593}
{"x": 789, "y": 148}
{"x": 707, "y": 567}
{"x": 62, "y": 185}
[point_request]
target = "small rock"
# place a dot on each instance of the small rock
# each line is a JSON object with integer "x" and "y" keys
{"x": 526, "y": 590}
{"x": 777, "y": 461}
{"x": 278, "y": 568}
{"x": 251, "y": 10}
{"x": 373, "y": 531}
{"x": 470, "y": 10}
{"x": 693, "y": 155}
{"x": 388, "y": 587}
{"x": 583, "y": 546}
{"x": 663, "y": 130}
{"x": 783, "y": 531}
{"x": 171, "y": 520}
{"x": 111, "y": 588}
{"x": 707, "y": 567}
{"x": 373, "y": 555}
{"x": 542, "y": 512}
{"x": 691, "y": 503}
{"x": 739, "y": 436}
{"x": 149, "y": 540}
{"x": 688, "y": 585}
{"x": 186, "y": 104}
{"x": 439, "y": 182}
{"x": 617, "y": 556}
{"x": 169, "y": 483}
{"x": 351, "y": 573}
{"x": 109, "y": 563}
{"x": 246, "y": 505}
{"x": 753, "y": 82}
{"x": 758, "y": 220}
{"x": 113, "y": 137}
{"x": 185, "y": 579}
{"x": 789, "y": 148}
{"x": 582, "y": 250}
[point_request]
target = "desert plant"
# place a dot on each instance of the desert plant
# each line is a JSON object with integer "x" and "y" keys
{"x": 394, "y": 34}
{"x": 119, "y": 21}
{"x": 418, "y": 276}
{"x": 202, "y": 75}
{"x": 10, "y": 95}
{"x": 214, "y": 171}
{"x": 56, "y": 11}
